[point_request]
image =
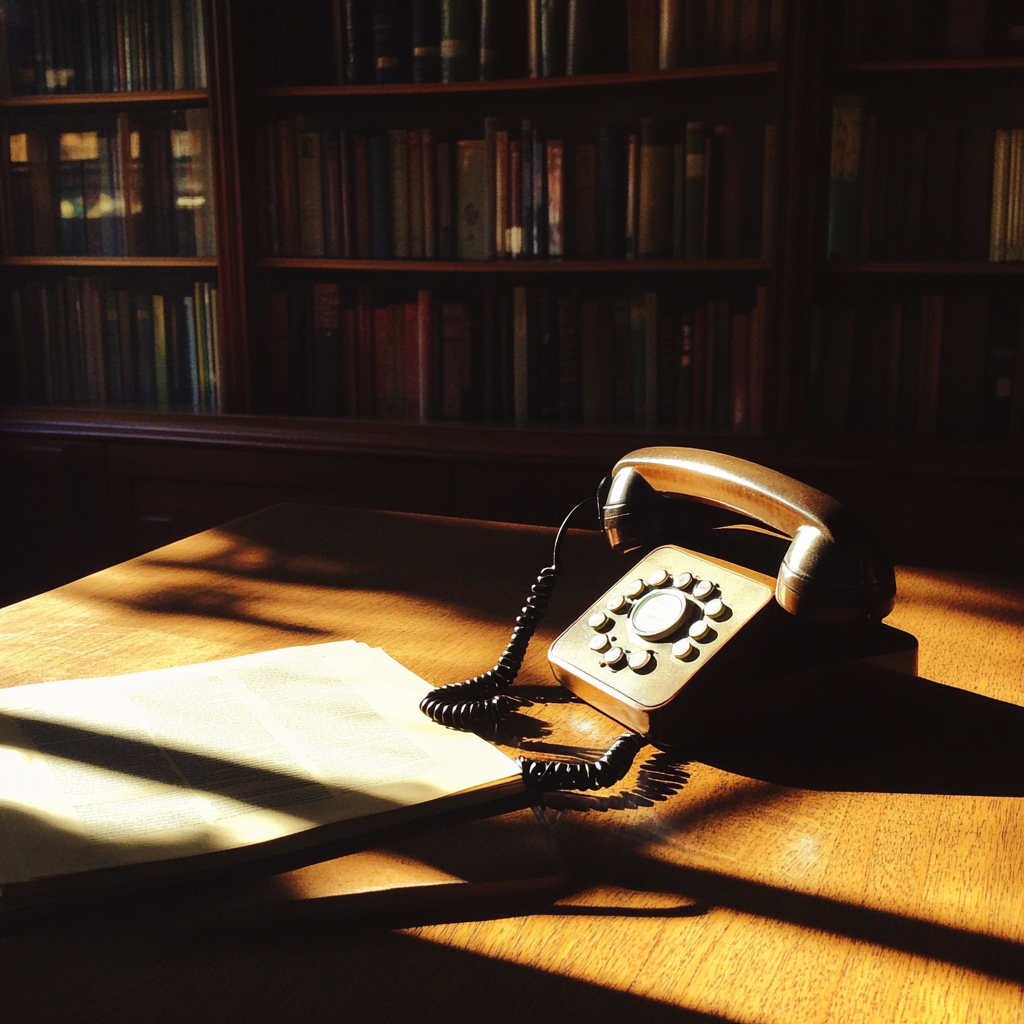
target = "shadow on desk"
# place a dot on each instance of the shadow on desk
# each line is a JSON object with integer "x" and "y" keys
{"x": 865, "y": 729}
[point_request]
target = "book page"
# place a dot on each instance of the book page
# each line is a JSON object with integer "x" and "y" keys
{"x": 183, "y": 761}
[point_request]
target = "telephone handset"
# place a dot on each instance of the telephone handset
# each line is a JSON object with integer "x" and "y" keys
{"x": 682, "y": 626}
{"x": 685, "y": 623}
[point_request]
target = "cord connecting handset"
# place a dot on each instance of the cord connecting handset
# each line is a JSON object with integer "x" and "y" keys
{"x": 679, "y": 617}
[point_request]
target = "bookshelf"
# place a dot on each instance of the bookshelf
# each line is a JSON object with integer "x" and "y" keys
{"x": 117, "y": 479}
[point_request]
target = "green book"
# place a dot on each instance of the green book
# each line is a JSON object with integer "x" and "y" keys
{"x": 160, "y": 352}
{"x": 845, "y": 175}
{"x": 460, "y": 41}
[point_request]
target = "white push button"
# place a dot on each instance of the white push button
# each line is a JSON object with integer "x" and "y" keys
{"x": 699, "y": 629}
{"x": 613, "y": 657}
{"x": 658, "y": 614}
{"x": 598, "y": 620}
{"x": 616, "y": 603}
{"x": 635, "y": 589}
{"x": 715, "y": 609}
{"x": 600, "y": 642}
{"x": 683, "y": 580}
{"x": 659, "y": 578}
{"x": 684, "y": 649}
{"x": 703, "y": 589}
{"x": 638, "y": 660}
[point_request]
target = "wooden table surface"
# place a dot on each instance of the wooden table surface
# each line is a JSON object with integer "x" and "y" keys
{"x": 893, "y": 894}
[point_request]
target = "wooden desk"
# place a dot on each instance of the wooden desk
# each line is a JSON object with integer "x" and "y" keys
{"x": 726, "y": 899}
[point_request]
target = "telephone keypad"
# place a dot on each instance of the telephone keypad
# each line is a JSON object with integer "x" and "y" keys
{"x": 664, "y": 621}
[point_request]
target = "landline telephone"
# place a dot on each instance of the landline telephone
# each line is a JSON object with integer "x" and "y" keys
{"x": 681, "y": 625}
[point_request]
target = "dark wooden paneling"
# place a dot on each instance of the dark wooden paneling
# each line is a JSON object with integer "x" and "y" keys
{"x": 53, "y": 515}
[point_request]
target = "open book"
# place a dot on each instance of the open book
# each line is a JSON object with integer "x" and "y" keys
{"x": 108, "y": 783}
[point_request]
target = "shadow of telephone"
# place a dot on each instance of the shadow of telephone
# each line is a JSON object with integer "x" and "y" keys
{"x": 681, "y": 627}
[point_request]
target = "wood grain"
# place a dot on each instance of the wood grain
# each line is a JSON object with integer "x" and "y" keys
{"x": 715, "y": 897}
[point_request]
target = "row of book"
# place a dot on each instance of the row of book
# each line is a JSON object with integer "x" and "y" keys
{"x": 710, "y": 192}
{"x": 949, "y": 365}
{"x": 915, "y": 29}
{"x": 86, "y": 46}
{"x": 78, "y": 340}
{"x": 116, "y": 190}
{"x": 519, "y": 355}
{"x": 941, "y": 191}
{"x": 388, "y": 41}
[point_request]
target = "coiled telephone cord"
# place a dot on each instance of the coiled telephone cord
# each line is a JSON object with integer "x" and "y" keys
{"x": 481, "y": 702}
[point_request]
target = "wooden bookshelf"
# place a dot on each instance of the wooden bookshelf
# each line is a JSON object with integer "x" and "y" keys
{"x": 617, "y": 80}
{"x": 109, "y": 477}
{"x": 125, "y": 98}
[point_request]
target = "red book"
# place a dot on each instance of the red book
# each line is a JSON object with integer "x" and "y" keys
{"x": 429, "y": 194}
{"x": 349, "y": 361}
{"x": 288, "y": 188}
{"x": 425, "y": 352}
{"x": 382, "y": 359}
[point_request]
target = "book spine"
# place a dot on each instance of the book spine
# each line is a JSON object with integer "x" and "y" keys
{"x": 585, "y": 200}
{"x": 310, "y": 192}
{"x": 426, "y": 41}
{"x": 678, "y": 199}
{"x": 579, "y": 34}
{"x": 1000, "y": 196}
{"x": 733, "y": 213}
{"x": 331, "y": 194}
{"x": 728, "y": 30}
{"x": 347, "y": 196}
{"x": 670, "y": 34}
{"x": 387, "y": 42}
{"x": 611, "y": 192}
{"x": 930, "y": 365}
{"x": 458, "y": 41}
{"x": 160, "y": 352}
{"x": 632, "y": 196}
{"x": 533, "y": 44}
{"x": 445, "y": 211}
{"x": 425, "y": 353}
{"x": 410, "y": 359}
{"x": 770, "y": 192}
{"x": 287, "y": 188}
{"x": 471, "y": 188}
{"x": 429, "y": 193}
{"x": 490, "y": 206}
{"x": 650, "y": 322}
{"x": 326, "y": 348}
{"x": 553, "y": 27}
{"x": 556, "y": 198}
{"x": 514, "y": 242}
{"x": 398, "y": 179}
{"x": 502, "y": 195}
{"x": 362, "y": 197}
{"x": 758, "y": 360}
{"x": 358, "y": 42}
{"x": 740, "y": 367}
{"x": 1014, "y": 219}
{"x": 539, "y": 241}
{"x": 490, "y": 39}
{"x": 654, "y": 194}
{"x": 965, "y": 28}
{"x": 417, "y": 241}
{"x": 521, "y": 356}
{"x": 526, "y": 187}
{"x": 643, "y": 35}
{"x": 381, "y": 238}
{"x": 845, "y": 178}
{"x": 695, "y": 246}
{"x": 747, "y": 50}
